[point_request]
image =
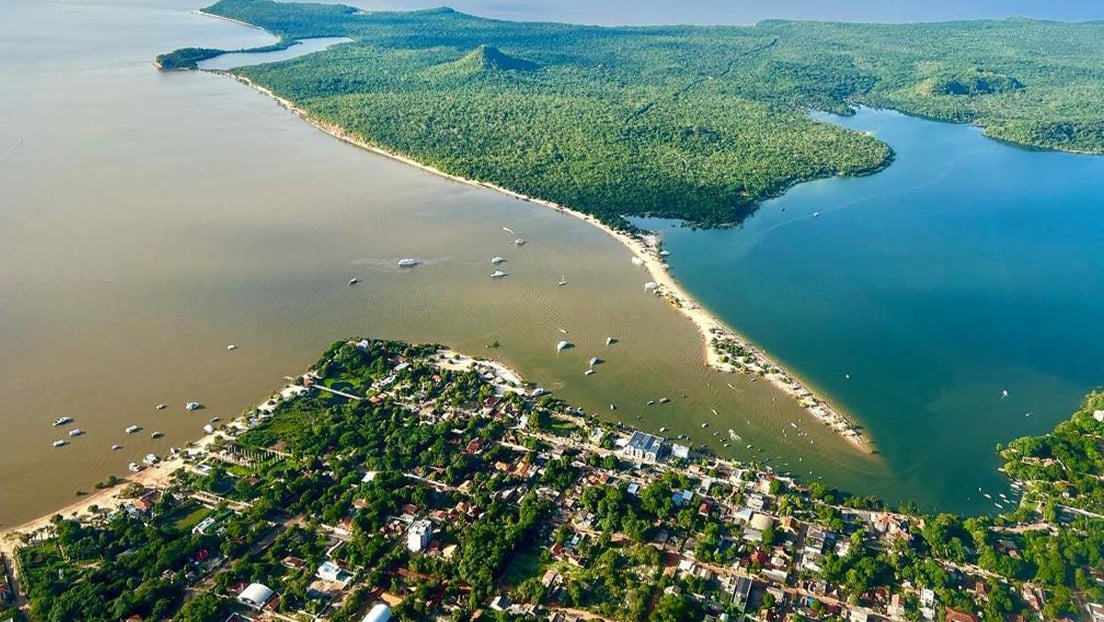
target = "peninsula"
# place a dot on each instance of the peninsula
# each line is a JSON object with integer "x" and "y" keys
{"x": 414, "y": 481}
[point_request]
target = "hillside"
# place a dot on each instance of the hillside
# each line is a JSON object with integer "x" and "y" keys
{"x": 695, "y": 123}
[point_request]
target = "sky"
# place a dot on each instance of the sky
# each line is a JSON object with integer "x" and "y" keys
{"x": 642, "y": 12}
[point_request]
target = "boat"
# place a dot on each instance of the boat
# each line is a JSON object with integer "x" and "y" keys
{"x": 162, "y": 406}
{"x": 156, "y": 435}
{"x": 498, "y": 274}
{"x": 563, "y": 345}
{"x": 987, "y": 495}
{"x": 793, "y": 425}
{"x": 664, "y": 400}
{"x": 231, "y": 347}
{"x": 588, "y": 372}
{"x": 610, "y": 341}
{"x": 636, "y": 261}
{"x": 193, "y": 406}
{"x": 59, "y": 443}
{"x": 131, "y": 429}
{"x": 714, "y": 411}
{"x": 214, "y": 419}
{"x": 408, "y": 262}
{"x": 562, "y": 330}
{"x": 562, "y": 281}
{"x": 749, "y": 446}
{"x": 1004, "y": 393}
{"x": 726, "y": 445}
{"x": 664, "y": 253}
{"x": 613, "y": 406}
{"x": 209, "y": 429}
{"x": 76, "y": 432}
{"x": 651, "y": 286}
{"x": 353, "y": 281}
{"x": 651, "y": 402}
{"x": 507, "y": 230}
{"x": 497, "y": 260}
{"x": 594, "y": 360}
{"x": 519, "y": 242}
{"x": 539, "y": 391}
{"x": 705, "y": 425}
{"x": 663, "y": 429}
{"x": 116, "y": 447}
{"x": 151, "y": 459}
{"x": 134, "y": 467}
{"x": 733, "y": 435}
{"x": 62, "y": 421}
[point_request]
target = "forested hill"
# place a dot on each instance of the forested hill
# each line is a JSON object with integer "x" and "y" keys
{"x": 697, "y": 123}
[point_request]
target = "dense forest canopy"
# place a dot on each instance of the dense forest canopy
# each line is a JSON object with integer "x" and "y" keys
{"x": 691, "y": 122}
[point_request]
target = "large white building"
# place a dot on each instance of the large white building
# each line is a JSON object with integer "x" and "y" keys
{"x": 417, "y": 537}
{"x": 379, "y": 613}
{"x": 645, "y": 447}
{"x": 256, "y": 595}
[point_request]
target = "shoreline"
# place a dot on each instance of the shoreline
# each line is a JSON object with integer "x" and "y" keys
{"x": 719, "y": 341}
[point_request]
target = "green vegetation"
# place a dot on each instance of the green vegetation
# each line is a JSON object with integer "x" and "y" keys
{"x": 189, "y": 58}
{"x": 696, "y": 123}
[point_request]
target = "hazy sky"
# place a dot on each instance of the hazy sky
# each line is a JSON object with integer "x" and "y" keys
{"x": 749, "y": 11}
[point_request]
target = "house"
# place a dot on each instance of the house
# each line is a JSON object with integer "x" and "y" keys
{"x": 330, "y": 571}
{"x": 858, "y": 615}
{"x": 741, "y": 594}
{"x": 680, "y": 451}
{"x": 959, "y": 616}
{"x": 205, "y": 526}
{"x": 418, "y": 536}
{"x": 256, "y": 595}
{"x": 644, "y": 447}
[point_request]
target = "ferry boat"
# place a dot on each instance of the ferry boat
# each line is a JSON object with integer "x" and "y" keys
{"x": 408, "y": 262}
{"x": 497, "y": 260}
{"x": 62, "y": 421}
{"x": 498, "y": 274}
{"x": 59, "y": 443}
{"x": 76, "y": 432}
{"x": 193, "y": 406}
{"x": 131, "y": 429}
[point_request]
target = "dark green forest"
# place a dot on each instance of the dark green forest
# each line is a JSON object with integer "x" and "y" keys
{"x": 689, "y": 122}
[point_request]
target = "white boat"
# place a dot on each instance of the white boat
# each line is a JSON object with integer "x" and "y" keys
{"x": 408, "y": 262}
{"x": 664, "y": 253}
{"x": 519, "y": 242}
{"x": 507, "y": 230}
{"x": 231, "y": 347}
{"x": 76, "y": 432}
{"x": 563, "y": 345}
{"x": 588, "y": 372}
{"x": 663, "y": 429}
{"x": 497, "y": 260}
{"x": 353, "y": 281}
{"x": 594, "y": 360}
{"x": 162, "y": 406}
{"x": 1004, "y": 393}
{"x": 562, "y": 281}
{"x": 193, "y": 406}
{"x": 664, "y": 400}
{"x": 116, "y": 447}
{"x": 151, "y": 459}
{"x": 134, "y": 467}
{"x": 537, "y": 392}
{"x": 733, "y": 435}
{"x": 131, "y": 429}
{"x": 636, "y": 261}
{"x": 651, "y": 286}
{"x": 651, "y": 402}
{"x": 714, "y": 411}
{"x": 62, "y": 421}
{"x": 705, "y": 425}
{"x": 59, "y": 443}
{"x": 209, "y": 429}
{"x": 613, "y": 406}
{"x": 156, "y": 435}
{"x": 793, "y": 425}
{"x": 815, "y": 214}
{"x": 610, "y": 341}
{"x": 214, "y": 419}
{"x": 498, "y": 274}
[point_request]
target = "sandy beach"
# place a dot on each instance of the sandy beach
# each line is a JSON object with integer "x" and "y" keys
{"x": 646, "y": 251}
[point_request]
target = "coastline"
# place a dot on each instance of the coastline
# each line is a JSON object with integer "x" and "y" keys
{"x": 718, "y": 340}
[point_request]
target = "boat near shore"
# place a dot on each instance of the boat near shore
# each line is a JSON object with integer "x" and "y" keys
{"x": 408, "y": 262}
{"x": 62, "y": 421}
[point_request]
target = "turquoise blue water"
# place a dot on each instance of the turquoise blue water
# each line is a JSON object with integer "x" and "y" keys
{"x": 967, "y": 268}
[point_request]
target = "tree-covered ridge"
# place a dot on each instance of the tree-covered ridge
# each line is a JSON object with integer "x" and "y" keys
{"x": 698, "y": 123}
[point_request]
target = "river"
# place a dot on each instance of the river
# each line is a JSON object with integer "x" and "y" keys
{"x": 917, "y": 296}
{"x": 151, "y": 219}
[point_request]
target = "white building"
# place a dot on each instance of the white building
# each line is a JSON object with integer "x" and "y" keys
{"x": 417, "y": 537}
{"x": 256, "y": 595}
{"x": 646, "y": 447}
{"x": 379, "y": 613}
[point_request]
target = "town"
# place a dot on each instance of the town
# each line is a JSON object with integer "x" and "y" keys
{"x": 410, "y": 482}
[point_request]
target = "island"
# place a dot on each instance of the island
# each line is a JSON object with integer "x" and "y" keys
{"x": 412, "y": 482}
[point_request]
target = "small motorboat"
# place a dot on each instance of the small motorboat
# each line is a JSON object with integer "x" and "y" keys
{"x": 408, "y": 262}
{"x": 705, "y": 425}
{"x": 664, "y": 400}
{"x": 519, "y": 242}
{"x": 76, "y": 432}
{"x": 537, "y": 392}
{"x": 193, "y": 406}
{"x": 588, "y": 372}
{"x": 162, "y": 406}
{"x": 610, "y": 341}
{"x": 156, "y": 435}
{"x": 613, "y": 406}
{"x": 231, "y": 347}
{"x": 562, "y": 281}
{"x": 353, "y": 281}
{"x": 651, "y": 402}
{"x": 62, "y": 421}
{"x": 59, "y": 443}
{"x": 131, "y": 429}
{"x": 116, "y": 447}
{"x": 134, "y": 467}
{"x": 497, "y": 260}
{"x": 594, "y": 360}
{"x": 151, "y": 459}
{"x": 663, "y": 429}
{"x": 563, "y": 345}
{"x": 498, "y": 274}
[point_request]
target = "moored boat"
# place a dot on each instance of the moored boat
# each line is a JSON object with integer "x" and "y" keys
{"x": 62, "y": 421}
{"x": 131, "y": 429}
{"x": 408, "y": 262}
